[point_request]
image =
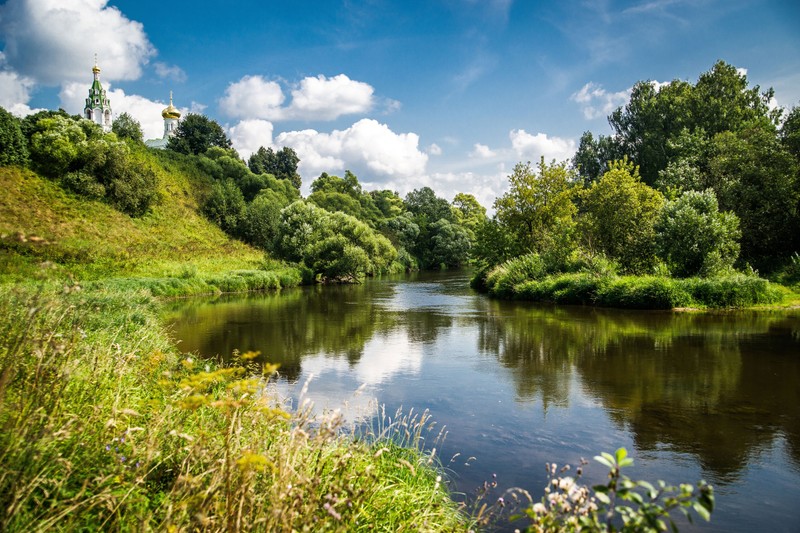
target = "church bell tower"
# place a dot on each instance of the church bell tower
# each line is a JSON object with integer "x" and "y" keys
{"x": 98, "y": 106}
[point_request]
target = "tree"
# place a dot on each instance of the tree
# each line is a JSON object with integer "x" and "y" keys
{"x": 281, "y": 164}
{"x": 468, "y": 212}
{"x": 225, "y": 206}
{"x": 538, "y": 208}
{"x": 344, "y": 194}
{"x": 336, "y": 246}
{"x": 127, "y": 127}
{"x": 619, "y": 213}
{"x": 695, "y": 238}
{"x": 754, "y": 176}
{"x": 451, "y": 244}
{"x": 426, "y": 209}
{"x": 655, "y": 115}
{"x": 197, "y": 133}
{"x": 13, "y": 147}
{"x": 790, "y": 132}
{"x": 593, "y": 156}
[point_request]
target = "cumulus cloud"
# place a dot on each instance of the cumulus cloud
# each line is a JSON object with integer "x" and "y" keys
{"x": 252, "y": 97}
{"x": 15, "y": 92}
{"x": 481, "y": 151}
{"x": 540, "y": 145}
{"x": 46, "y": 40}
{"x": 314, "y": 98}
{"x": 249, "y": 135}
{"x": 596, "y": 102}
{"x": 370, "y": 149}
{"x": 147, "y": 112}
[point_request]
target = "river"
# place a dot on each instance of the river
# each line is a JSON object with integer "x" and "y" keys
{"x": 690, "y": 395}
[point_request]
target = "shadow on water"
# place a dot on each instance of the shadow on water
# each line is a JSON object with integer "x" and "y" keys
{"x": 721, "y": 387}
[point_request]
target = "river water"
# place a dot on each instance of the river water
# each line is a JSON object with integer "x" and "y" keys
{"x": 690, "y": 395}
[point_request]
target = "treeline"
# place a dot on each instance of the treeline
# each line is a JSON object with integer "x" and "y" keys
{"x": 697, "y": 181}
{"x": 339, "y": 233}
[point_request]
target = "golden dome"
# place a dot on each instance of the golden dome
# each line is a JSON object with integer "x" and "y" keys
{"x": 171, "y": 111}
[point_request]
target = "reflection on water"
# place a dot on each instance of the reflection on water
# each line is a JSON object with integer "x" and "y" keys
{"x": 695, "y": 395}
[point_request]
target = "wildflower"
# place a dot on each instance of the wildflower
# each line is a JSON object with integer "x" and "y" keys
{"x": 501, "y": 502}
{"x": 539, "y": 508}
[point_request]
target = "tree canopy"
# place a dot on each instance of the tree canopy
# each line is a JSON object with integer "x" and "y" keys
{"x": 196, "y": 133}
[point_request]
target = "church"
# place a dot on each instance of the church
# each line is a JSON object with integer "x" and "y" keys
{"x": 98, "y": 110}
{"x": 171, "y": 117}
{"x": 98, "y": 106}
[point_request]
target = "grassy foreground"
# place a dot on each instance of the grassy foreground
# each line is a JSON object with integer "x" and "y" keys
{"x": 104, "y": 427}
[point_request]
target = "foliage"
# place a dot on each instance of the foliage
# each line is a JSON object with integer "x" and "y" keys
{"x": 13, "y": 146}
{"x": 336, "y": 246}
{"x": 281, "y": 164}
{"x": 790, "y": 132}
{"x": 720, "y": 101}
{"x": 197, "y": 133}
{"x": 401, "y": 230}
{"x": 619, "y": 212}
{"x": 225, "y": 206}
{"x": 468, "y": 212}
{"x": 90, "y": 163}
{"x": 593, "y": 156}
{"x": 695, "y": 238}
{"x": 451, "y": 244}
{"x": 754, "y": 176}
{"x": 494, "y": 243}
{"x": 622, "y": 504}
{"x": 127, "y": 127}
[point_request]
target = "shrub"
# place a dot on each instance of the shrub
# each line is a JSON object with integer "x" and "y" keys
{"x": 501, "y": 280}
{"x": 737, "y": 290}
{"x": 643, "y": 292}
{"x": 695, "y": 238}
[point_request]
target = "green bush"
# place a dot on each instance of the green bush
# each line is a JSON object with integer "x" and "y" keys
{"x": 643, "y": 292}
{"x": 501, "y": 280}
{"x": 737, "y": 290}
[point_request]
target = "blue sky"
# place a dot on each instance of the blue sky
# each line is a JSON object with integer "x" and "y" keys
{"x": 445, "y": 93}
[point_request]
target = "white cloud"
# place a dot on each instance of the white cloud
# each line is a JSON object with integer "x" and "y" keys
{"x": 540, "y": 145}
{"x": 171, "y": 72}
{"x": 15, "y": 92}
{"x": 144, "y": 110}
{"x": 597, "y": 102}
{"x": 376, "y": 154}
{"x": 252, "y": 97}
{"x": 481, "y": 151}
{"x": 249, "y": 135}
{"x": 324, "y": 98}
{"x": 52, "y": 41}
{"x": 434, "y": 149}
{"x": 314, "y": 98}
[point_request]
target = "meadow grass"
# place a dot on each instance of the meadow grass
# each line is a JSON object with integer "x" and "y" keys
{"x": 104, "y": 426}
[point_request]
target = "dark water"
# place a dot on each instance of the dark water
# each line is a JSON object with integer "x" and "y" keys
{"x": 712, "y": 396}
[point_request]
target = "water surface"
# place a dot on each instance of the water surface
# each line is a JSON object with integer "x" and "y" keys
{"x": 713, "y": 396}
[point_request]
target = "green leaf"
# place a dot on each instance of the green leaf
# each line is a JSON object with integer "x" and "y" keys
{"x": 606, "y": 460}
{"x": 602, "y": 497}
{"x": 702, "y": 511}
{"x": 627, "y": 461}
{"x": 621, "y": 454}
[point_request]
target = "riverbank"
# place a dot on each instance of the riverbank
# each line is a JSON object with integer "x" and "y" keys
{"x": 104, "y": 426}
{"x": 593, "y": 283}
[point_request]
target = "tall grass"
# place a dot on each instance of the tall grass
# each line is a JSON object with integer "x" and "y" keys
{"x": 595, "y": 282}
{"x": 104, "y": 427}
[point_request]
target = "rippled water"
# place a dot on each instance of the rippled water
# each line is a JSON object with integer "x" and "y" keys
{"x": 713, "y": 396}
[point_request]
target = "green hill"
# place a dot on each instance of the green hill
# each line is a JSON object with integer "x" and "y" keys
{"x": 40, "y": 224}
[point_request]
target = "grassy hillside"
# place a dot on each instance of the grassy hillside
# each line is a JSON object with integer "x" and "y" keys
{"x": 40, "y": 222}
